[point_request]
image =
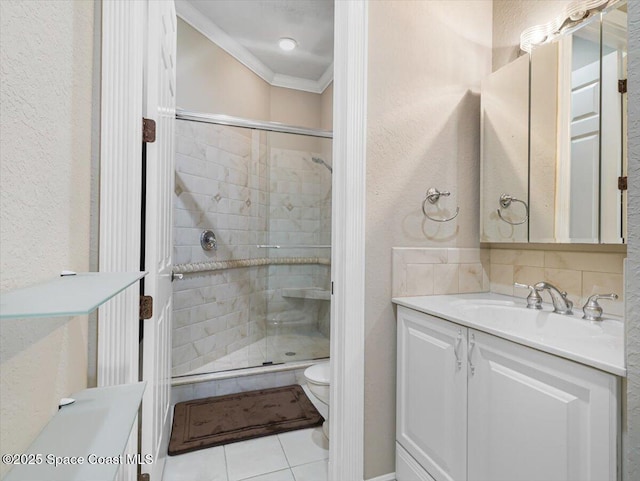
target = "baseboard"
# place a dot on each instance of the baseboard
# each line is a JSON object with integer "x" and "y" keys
{"x": 384, "y": 477}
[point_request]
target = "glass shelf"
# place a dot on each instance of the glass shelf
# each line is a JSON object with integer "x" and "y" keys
{"x": 66, "y": 295}
{"x": 96, "y": 427}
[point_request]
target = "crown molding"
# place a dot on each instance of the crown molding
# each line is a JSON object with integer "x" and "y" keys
{"x": 327, "y": 78}
{"x": 209, "y": 29}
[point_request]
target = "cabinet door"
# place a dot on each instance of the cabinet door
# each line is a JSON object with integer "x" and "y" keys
{"x": 534, "y": 416}
{"x": 432, "y": 393}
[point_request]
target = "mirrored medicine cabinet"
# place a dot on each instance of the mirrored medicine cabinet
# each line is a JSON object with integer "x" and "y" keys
{"x": 553, "y": 166}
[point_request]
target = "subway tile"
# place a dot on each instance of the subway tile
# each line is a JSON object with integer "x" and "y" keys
{"x": 565, "y": 280}
{"x": 183, "y": 354}
{"x": 463, "y": 256}
{"x": 419, "y": 279}
{"x": 585, "y": 261}
{"x": 410, "y": 255}
{"x": 526, "y": 275}
{"x": 502, "y": 279}
{"x": 518, "y": 257}
{"x": 470, "y": 278}
{"x": 445, "y": 278}
{"x": 181, "y": 336}
{"x": 602, "y": 283}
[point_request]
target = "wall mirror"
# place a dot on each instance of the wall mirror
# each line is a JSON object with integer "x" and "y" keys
{"x": 576, "y": 136}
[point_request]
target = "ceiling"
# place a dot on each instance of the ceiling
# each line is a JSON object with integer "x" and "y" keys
{"x": 250, "y": 29}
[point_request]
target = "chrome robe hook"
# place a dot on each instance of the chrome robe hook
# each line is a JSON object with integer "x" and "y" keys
{"x": 433, "y": 195}
{"x": 505, "y": 201}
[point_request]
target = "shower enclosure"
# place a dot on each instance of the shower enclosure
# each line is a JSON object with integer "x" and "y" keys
{"x": 261, "y": 295}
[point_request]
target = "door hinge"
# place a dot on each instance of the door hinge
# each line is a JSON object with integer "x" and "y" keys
{"x": 144, "y": 477}
{"x": 622, "y": 183}
{"x": 148, "y": 130}
{"x": 622, "y": 86}
{"x": 146, "y": 307}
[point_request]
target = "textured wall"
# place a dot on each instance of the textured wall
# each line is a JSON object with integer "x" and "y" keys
{"x": 631, "y": 462}
{"x": 45, "y": 152}
{"x": 511, "y": 17}
{"x": 200, "y": 87}
{"x": 210, "y": 80}
{"x": 426, "y": 61}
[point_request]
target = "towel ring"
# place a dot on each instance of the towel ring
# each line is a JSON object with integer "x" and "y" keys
{"x": 505, "y": 201}
{"x": 433, "y": 195}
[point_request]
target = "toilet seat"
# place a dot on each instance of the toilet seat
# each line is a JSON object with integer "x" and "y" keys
{"x": 318, "y": 373}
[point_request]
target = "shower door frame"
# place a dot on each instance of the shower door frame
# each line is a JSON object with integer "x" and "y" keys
{"x": 348, "y": 234}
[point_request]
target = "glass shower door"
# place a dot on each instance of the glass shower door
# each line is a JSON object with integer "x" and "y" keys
{"x": 299, "y": 235}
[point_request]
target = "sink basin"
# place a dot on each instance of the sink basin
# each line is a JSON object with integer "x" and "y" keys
{"x": 596, "y": 343}
{"x": 540, "y": 323}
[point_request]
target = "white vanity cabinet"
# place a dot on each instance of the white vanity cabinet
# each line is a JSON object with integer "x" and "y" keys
{"x": 431, "y": 421}
{"x": 472, "y": 406}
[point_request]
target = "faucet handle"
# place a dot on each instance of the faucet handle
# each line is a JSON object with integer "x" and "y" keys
{"x": 534, "y": 299}
{"x": 592, "y": 310}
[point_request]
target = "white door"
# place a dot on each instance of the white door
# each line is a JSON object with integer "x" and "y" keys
{"x": 611, "y": 229}
{"x": 533, "y": 416}
{"x": 585, "y": 154}
{"x": 432, "y": 394}
{"x": 159, "y": 98}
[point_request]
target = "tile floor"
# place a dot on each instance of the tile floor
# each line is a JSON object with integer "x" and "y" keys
{"x": 310, "y": 345}
{"x": 294, "y": 456}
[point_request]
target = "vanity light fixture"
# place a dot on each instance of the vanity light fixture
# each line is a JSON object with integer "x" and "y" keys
{"x": 571, "y": 16}
{"x": 287, "y": 44}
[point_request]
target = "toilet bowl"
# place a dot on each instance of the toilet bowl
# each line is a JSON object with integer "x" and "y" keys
{"x": 317, "y": 377}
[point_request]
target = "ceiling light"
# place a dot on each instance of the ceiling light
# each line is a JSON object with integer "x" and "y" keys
{"x": 287, "y": 44}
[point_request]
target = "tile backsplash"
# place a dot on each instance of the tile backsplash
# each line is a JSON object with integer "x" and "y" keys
{"x": 429, "y": 271}
{"x": 581, "y": 274}
{"x": 420, "y": 271}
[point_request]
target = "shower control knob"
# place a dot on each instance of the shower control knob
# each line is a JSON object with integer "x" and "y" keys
{"x": 208, "y": 240}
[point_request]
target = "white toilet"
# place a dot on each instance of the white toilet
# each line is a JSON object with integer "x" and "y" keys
{"x": 317, "y": 377}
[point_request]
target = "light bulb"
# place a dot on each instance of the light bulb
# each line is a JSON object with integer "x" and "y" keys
{"x": 287, "y": 44}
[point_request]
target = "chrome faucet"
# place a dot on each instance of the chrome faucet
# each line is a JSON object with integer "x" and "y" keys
{"x": 592, "y": 310}
{"x": 561, "y": 304}
{"x": 534, "y": 301}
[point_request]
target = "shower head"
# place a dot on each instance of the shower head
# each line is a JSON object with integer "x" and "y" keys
{"x": 318, "y": 160}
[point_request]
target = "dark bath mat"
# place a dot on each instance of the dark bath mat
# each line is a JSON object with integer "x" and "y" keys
{"x": 204, "y": 423}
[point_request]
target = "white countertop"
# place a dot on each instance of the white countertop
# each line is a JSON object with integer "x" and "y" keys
{"x": 599, "y": 344}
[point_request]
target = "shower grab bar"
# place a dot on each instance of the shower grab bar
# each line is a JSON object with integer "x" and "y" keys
{"x": 505, "y": 201}
{"x": 274, "y": 246}
{"x": 237, "y": 263}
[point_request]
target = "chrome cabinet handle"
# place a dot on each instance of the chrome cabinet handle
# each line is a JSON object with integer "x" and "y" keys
{"x": 433, "y": 195}
{"x": 457, "y": 348}
{"x": 505, "y": 202}
{"x": 472, "y": 345}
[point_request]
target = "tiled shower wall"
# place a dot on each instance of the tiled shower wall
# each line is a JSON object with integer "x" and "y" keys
{"x": 223, "y": 178}
{"x": 300, "y": 203}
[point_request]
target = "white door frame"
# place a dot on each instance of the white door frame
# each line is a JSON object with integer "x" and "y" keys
{"x": 120, "y": 194}
{"x": 348, "y": 234}
{"x": 346, "y": 450}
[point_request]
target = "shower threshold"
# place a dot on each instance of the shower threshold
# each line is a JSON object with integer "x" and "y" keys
{"x": 276, "y": 349}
